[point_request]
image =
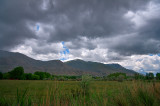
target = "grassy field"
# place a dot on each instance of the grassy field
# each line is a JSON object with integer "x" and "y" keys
{"x": 73, "y": 93}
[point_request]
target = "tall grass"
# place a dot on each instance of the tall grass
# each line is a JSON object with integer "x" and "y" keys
{"x": 121, "y": 94}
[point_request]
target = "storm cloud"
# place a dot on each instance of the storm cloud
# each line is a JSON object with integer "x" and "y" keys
{"x": 97, "y": 30}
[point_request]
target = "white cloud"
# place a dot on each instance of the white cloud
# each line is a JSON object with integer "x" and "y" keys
{"x": 140, "y": 17}
{"x": 145, "y": 62}
{"x": 45, "y": 51}
{"x": 40, "y": 50}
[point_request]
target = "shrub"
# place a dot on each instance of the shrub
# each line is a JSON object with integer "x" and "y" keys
{"x": 28, "y": 76}
{"x": 158, "y": 76}
{"x": 120, "y": 78}
{"x": 42, "y": 75}
{"x": 138, "y": 76}
{"x": 85, "y": 84}
{"x": 1, "y": 75}
{"x": 117, "y": 74}
{"x": 6, "y": 76}
{"x": 117, "y": 77}
{"x": 35, "y": 77}
{"x": 149, "y": 76}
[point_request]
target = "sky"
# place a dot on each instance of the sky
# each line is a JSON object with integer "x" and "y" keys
{"x": 108, "y": 31}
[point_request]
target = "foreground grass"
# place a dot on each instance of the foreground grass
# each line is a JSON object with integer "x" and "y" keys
{"x": 70, "y": 93}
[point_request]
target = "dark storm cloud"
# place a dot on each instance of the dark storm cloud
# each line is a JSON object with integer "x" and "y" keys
{"x": 92, "y": 18}
{"x": 135, "y": 45}
{"x": 151, "y": 30}
{"x": 73, "y": 19}
{"x": 82, "y": 42}
{"x": 146, "y": 40}
{"x": 13, "y": 18}
{"x": 11, "y": 35}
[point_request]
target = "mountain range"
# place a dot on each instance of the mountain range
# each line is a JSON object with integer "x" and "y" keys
{"x": 10, "y": 60}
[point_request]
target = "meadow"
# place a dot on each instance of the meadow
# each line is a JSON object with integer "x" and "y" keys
{"x": 78, "y": 93}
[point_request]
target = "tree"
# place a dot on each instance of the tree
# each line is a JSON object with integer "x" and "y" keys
{"x": 17, "y": 73}
{"x": 158, "y": 76}
{"x": 120, "y": 78}
{"x": 6, "y": 76}
{"x": 47, "y": 75}
{"x": 149, "y": 76}
{"x": 40, "y": 74}
{"x": 28, "y": 76}
{"x": 138, "y": 76}
{"x": 61, "y": 78}
{"x": 35, "y": 77}
{"x": 117, "y": 74}
{"x": 1, "y": 75}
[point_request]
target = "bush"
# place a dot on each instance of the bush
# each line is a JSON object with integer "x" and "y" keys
{"x": 61, "y": 78}
{"x": 149, "y": 76}
{"x": 85, "y": 84}
{"x": 6, "y": 76}
{"x": 28, "y": 76}
{"x": 138, "y": 76}
{"x": 42, "y": 75}
{"x": 1, "y": 75}
{"x": 120, "y": 78}
{"x": 35, "y": 77}
{"x": 117, "y": 74}
{"x": 158, "y": 76}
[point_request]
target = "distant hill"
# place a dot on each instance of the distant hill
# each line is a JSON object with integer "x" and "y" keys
{"x": 10, "y": 60}
{"x": 98, "y": 68}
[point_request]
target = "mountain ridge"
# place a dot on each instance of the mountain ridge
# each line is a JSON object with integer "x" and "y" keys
{"x": 102, "y": 68}
{"x": 10, "y": 60}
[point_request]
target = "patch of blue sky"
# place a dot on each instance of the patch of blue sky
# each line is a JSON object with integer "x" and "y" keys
{"x": 63, "y": 43}
{"x": 150, "y": 54}
{"x": 63, "y": 59}
{"x": 38, "y": 27}
{"x": 153, "y": 54}
{"x": 141, "y": 71}
{"x": 64, "y": 53}
{"x": 67, "y": 50}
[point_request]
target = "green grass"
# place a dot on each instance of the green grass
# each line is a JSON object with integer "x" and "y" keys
{"x": 70, "y": 93}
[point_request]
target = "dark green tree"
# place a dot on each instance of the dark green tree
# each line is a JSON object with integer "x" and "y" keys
{"x": 115, "y": 75}
{"x": 149, "y": 76}
{"x": 28, "y": 76}
{"x": 6, "y": 75}
{"x": 40, "y": 74}
{"x": 158, "y": 76}
{"x": 47, "y": 75}
{"x": 1, "y": 75}
{"x": 17, "y": 73}
{"x": 35, "y": 77}
{"x": 138, "y": 76}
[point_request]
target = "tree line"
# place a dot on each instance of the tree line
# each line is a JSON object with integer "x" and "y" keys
{"x": 18, "y": 73}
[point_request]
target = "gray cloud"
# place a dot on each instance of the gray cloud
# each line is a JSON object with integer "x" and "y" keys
{"x": 134, "y": 45}
{"x": 72, "y": 20}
